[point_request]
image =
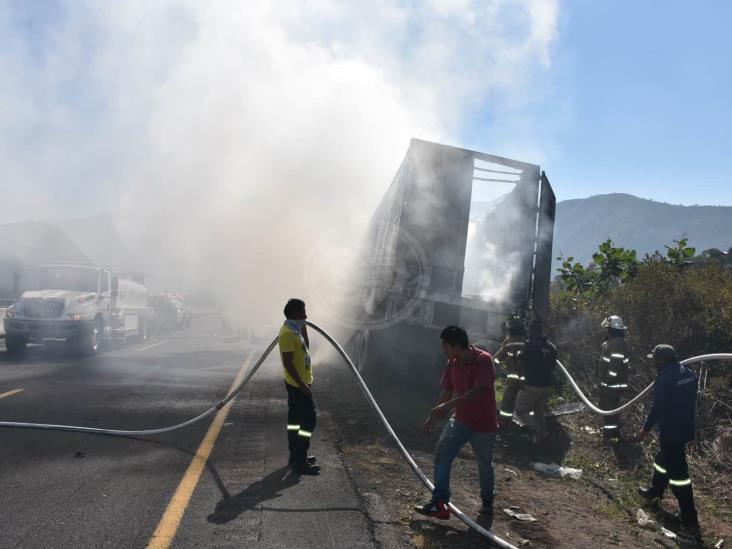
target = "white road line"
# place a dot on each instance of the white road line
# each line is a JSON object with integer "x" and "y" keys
{"x": 11, "y": 393}
{"x": 219, "y": 367}
{"x": 150, "y": 346}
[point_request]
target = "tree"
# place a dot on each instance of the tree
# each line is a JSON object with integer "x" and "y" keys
{"x": 680, "y": 256}
{"x": 610, "y": 266}
{"x": 577, "y": 279}
{"x": 616, "y": 265}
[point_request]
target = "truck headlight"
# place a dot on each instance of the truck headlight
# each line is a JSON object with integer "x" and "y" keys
{"x": 78, "y": 316}
{"x": 11, "y": 313}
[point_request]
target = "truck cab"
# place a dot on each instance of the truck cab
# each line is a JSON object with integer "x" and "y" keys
{"x": 80, "y": 304}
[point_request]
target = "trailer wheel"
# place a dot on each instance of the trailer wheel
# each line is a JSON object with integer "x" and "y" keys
{"x": 16, "y": 346}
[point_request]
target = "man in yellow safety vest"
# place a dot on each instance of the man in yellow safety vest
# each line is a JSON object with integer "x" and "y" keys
{"x": 294, "y": 346}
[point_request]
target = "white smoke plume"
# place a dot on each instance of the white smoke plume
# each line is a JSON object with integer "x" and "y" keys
{"x": 227, "y": 136}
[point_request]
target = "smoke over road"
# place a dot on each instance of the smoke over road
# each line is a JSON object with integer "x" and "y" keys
{"x": 227, "y": 137}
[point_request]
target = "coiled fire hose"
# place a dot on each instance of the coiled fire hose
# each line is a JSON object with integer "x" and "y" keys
{"x": 364, "y": 388}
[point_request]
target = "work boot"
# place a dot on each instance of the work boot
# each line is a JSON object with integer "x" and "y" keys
{"x": 485, "y": 515}
{"x": 310, "y": 460}
{"x": 690, "y": 535}
{"x": 436, "y": 509}
{"x": 307, "y": 469}
{"x": 649, "y": 494}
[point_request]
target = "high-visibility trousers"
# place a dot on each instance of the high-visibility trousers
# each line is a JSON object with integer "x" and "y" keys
{"x": 610, "y": 398}
{"x": 301, "y": 420}
{"x": 670, "y": 468}
{"x": 508, "y": 403}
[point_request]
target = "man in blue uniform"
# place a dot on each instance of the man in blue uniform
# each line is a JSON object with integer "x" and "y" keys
{"x": 673, "y": 411}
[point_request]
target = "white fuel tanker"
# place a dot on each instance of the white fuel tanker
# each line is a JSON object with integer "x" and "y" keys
{"x": 80, "y": 304}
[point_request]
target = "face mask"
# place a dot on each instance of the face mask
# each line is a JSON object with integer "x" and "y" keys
{"x": 299, "y": 324}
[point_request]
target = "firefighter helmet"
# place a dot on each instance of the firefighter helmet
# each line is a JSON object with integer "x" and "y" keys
{"x": 614, "y": 322}
{"x": 515, "y": 322}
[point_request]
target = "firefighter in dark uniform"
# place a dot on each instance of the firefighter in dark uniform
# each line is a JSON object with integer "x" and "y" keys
{"x": 673, "y": 411}
{"x": 613, "y": 373}
{"x": 509, "y": 357}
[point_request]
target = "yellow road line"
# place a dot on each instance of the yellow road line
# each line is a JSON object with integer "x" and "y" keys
{"x": 11, "y": 393}
{"x": 168, "y": 526}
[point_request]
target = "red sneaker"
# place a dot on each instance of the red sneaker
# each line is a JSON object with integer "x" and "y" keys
{"x": 436, "y": 509}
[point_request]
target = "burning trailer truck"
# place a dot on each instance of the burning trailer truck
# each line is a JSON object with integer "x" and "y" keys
{"x": 460, "y": 237}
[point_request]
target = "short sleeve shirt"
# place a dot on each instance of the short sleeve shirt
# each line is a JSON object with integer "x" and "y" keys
{"x": 291, "y": 341}
{"x": 479, "y": 414}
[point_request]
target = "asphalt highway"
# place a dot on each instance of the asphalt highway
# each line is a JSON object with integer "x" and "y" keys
{"x": 220, "y": 483}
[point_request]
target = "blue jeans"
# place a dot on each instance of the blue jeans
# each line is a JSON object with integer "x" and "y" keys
{"x": 453, "y": 438}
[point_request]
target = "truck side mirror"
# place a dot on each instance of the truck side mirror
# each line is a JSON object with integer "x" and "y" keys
{"x": 115, "y": 287}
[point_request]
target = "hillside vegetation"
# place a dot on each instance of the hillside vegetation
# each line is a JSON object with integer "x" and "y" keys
{"x": 679, "y": 297}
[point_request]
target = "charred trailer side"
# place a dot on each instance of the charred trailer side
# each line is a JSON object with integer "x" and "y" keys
{"x": 460, "y": 237}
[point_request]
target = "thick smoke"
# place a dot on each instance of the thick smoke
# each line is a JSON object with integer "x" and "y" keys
{"x": 227, "y": 137}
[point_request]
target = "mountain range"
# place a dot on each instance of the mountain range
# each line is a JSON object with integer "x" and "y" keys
{"x": 581, "y": 225}
{"x": 637, "y": 223}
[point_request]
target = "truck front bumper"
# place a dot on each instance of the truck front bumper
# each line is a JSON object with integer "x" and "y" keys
{"x": 40, "y": 329}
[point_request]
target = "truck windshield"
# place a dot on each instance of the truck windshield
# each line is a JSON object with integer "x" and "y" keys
{"x": 69, "y": 278}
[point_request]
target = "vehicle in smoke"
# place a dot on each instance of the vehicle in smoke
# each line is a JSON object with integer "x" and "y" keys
{"x": 81, "y": 304}
{"x": 460, "y": 237}
{"x": 182, "y": 311}
{"x": 169, "y": 313}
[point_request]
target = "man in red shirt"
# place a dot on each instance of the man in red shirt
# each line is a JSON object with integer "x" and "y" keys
{"x": 468, "y": 388}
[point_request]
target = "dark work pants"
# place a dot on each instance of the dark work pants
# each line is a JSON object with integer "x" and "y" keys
{"x": 670, "y": 467}
{"x": 301, "y": 418}
{"x": 610, "y": 400}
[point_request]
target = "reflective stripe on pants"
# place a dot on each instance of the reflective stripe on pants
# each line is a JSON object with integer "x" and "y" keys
{"x": 301, "y": 420}
{"x": 670, "y": 468}
{"x": 510, "y": 393}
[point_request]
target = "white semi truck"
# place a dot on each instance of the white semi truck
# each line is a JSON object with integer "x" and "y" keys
{"x": 81, "y": 304}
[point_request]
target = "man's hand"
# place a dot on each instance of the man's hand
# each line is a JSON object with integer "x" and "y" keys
{"x": 440, "y": 411}
{"x": 306, "y": 390}
{"x": 642, "y": 434}
{"x": 437, "y": 412}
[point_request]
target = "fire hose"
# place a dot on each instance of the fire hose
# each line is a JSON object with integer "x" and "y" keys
{"x": 362, "y": 384}
{"x": 595, "y": 409}
{"x": 364, "y": 388}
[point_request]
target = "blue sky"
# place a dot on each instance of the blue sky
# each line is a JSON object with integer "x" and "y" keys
{"x": 638, "y": 100}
